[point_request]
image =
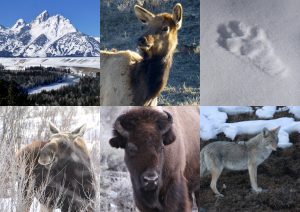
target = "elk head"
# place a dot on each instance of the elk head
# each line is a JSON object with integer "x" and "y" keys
{"x": 61, "y": 146}
{"x": 161, "y": 35}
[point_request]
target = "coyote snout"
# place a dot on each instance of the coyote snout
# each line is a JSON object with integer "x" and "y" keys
{"x": 216, "y": 156}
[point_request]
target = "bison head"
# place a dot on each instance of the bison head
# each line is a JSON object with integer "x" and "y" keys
{"x": 144, "y": 135}
{"x": 61, "y": 146}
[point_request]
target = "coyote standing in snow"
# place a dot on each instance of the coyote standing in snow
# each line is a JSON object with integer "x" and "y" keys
{"x": 216, "y": 156}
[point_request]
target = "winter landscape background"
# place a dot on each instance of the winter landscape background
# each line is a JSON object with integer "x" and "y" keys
{"x": 279, "y": 174}
{"x": 50, "y": 41}
{"x": 20, "y": 126}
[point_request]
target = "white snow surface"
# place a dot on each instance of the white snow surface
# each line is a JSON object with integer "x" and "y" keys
{"x": 250, "y": 52}
{"x": 85, "y": 62}
{"x": 266, "y": 112}
{"x": 295, "y": 110}
{"x": 69, "y": 80}
{"x": 213, "y": 122}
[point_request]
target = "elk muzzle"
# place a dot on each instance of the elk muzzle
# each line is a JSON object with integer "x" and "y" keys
{"x": 145, "y": 42}
{"x": 47, "y": 154}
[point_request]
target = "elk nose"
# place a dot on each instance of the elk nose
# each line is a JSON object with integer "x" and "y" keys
{"x": 142, "y": 41}
{"x": 150, "y": 180}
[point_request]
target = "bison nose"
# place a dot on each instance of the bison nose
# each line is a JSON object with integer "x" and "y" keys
{"x": 150, "y": 180}
{"x": 142, "y": 41}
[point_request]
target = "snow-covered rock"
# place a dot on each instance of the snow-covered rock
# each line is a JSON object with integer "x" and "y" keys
{"x": 213, "y": 121}
{"x": 74, "y": 44}
{"x": 266, "y": 112}
{"x": 46, "y": 36}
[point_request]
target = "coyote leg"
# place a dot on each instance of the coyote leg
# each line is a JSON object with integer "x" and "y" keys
{"x": 253, "y": 177}
{"x": 215, "y": 174}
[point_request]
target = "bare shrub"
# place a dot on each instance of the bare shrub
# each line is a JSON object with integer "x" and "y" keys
{"x": 116, "y": 191}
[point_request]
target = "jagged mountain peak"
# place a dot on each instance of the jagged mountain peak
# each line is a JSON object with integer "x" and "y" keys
{"x": 19, "y": 24}
{"x": 42, "y": 17}
{"x": 46, "y": 36}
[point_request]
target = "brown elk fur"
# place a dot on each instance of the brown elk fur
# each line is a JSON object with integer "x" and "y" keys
{"x": 129, "y": 78}
{"x": 67, "y": 184}
{"x": 174, "y": 154}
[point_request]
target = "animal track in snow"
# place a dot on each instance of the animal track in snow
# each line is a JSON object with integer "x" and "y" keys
{"x": 251, "y": 43}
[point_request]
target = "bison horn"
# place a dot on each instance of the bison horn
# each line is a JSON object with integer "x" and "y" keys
{"x": 168, "y": 126}
{"x": 120, "y": 129}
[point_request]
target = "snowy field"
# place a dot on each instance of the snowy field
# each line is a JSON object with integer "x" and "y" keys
{"x": 249, "y": 52}
{"x": 22, "y": 125}
{"x": 75, "y": 62}
{"x": 213, "y": 121}
{"x": 69, "y": 80}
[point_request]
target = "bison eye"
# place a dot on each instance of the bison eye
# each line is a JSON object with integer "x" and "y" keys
{"x": 131, "y": 149}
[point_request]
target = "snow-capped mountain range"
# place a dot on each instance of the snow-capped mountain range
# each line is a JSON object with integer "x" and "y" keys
{"x": 46, "y": 36}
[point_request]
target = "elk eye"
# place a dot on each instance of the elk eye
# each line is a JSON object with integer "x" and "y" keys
{"x": 131, "y": 149}
{"x": 165, "y": 29}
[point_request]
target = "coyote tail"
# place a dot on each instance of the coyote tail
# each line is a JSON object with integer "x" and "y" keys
{"x": 203, "y": 167}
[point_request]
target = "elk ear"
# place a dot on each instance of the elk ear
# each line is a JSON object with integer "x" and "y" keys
{"x": 177, "y": 15}
{"x": 53, "y": 128}
{"x": 142, "y": 14}
{"x": 79, "y": 131}
{"x": 118, "y": 142}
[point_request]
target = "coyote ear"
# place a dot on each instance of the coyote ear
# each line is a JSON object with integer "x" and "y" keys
{"x": 266, "y": 132}
{"x": 276, "y": 130}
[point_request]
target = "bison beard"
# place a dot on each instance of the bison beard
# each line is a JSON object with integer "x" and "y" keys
{"x": 149, "y": 198}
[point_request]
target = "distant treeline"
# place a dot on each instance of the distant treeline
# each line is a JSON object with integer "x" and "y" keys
{"x": 34, "y": 76}
{"x": 14, "y": 83}
{"x": 86, "y": 92}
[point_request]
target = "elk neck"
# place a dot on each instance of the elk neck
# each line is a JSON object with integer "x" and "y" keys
{"x": 151, "y": 76}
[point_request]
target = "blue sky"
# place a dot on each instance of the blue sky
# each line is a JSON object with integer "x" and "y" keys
{"x": 83, "y": 14}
